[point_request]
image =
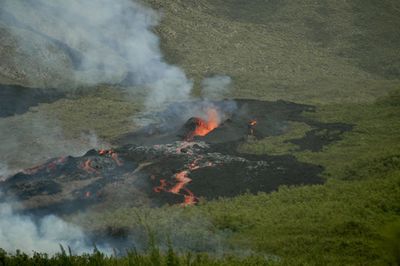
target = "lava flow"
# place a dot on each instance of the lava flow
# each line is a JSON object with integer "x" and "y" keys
{"x": 113, "y": 155}
{"x": 203, "y": 127}
{"x": 197, "y": 126}
{"x": 49, "y": 166}
{"x": 180, "y": 181}
{"x": 178, "y": 188}
{"x": 87, "y": 166}
{"x": 251, "y": 125}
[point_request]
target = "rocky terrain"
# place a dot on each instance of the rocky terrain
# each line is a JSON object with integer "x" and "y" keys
{"x": 116, "y": 135}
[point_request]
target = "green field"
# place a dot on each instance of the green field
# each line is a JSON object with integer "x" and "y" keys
{"x": 342, "y": 57}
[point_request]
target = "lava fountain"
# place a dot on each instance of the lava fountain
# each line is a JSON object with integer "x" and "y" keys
{"x": 202, "y": 126}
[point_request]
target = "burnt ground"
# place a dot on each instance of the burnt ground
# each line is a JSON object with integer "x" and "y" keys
{"x": 157, "y": 165}
{"x": 17, "y": 99}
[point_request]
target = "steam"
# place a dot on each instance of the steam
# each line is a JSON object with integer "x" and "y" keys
{"x": 97, "y": 41}
{"x": 33, "y": 138}
{"x": 3, "y": 171}
{"x": 45, "y": 235}
{"x": 216, "y": 87}
{"x": 69, "y": 44}
{"x": 203, "y": 236}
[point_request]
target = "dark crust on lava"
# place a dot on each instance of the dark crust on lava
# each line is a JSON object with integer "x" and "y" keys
{"x": 152, "y": 154}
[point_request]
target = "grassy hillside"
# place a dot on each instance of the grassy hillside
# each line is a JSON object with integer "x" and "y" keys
{"x": 308, "y": 51}
{"x": 341, "y": 56}
{"x": 352, "y": 219}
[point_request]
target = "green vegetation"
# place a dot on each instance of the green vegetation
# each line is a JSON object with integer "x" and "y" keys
{"x": 108, "y": 111}
{"x": 353, "y": 219}
{"x": 277, "y": 145}
{"x": 151, "y": 258}
{"x": 374, "y": 136}
{"x": 341, "y": 222}
{"x": 343, "y": 57}
{"x": 314, "y": 52}
{"x": 337, "y": 223}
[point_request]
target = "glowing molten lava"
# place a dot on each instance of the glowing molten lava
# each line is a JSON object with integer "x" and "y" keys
{"x": 189, "y": 198}
{"x": 253, "y": 122}
{"x": 178, "y": 185}
{"x": 251, "y": 125}
{"x": 87, "y": 166}
{"x": 113, "y": 155}
{"x": 161, "y": 187}
{"x": 182, "y": 179}
{"x": 179, "y": 188}
{"x": 49, "y": 166}
{"x": 203, "y": 127}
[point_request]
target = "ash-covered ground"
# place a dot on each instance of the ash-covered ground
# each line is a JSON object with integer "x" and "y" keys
{"x": 166, "y": 163}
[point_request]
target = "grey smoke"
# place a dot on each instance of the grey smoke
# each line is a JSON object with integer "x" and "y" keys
{"x": 45, "y": 235}
{"x": 4, "y": 172}
{"x": 216, "y": 87}
{"x": 33, "y": 138}
{"x": 91, "y": 42}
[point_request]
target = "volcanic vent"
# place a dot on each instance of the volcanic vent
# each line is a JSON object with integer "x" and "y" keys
{"x": 190, "y": 154}
{"x": 197, "y": 126}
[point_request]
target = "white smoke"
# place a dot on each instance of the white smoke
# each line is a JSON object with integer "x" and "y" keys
{"x": 32, "y": 138}
{"x": 4, "y": 172}
{"x": 45, "y": 235}
{"x": 216, "y": 87}
{"x": 98, "y": 41}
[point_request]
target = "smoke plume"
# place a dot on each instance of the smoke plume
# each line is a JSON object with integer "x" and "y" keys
{"x": 33, "y": 138}
{"x": 43, "y": 235}
{"x": 91, "y": 42}
{"x": 216, "y": 87}
{"x": 4, "y": 172}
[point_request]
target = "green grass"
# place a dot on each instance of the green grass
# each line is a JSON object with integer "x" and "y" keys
{"x": 310, "y": 51}
{"x": 276, "y": 145}
{"x": 152, "y": 257}
{"x": 107, "y": 114}
{"x": 341, "y": 222}
{"x": 375, "y": 135}
{"x": 341, "y": 56}
{"x": 336, "y": 223}
{"x": 345, "y": 221}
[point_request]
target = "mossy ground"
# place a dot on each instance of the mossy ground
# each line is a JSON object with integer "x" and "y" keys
{"x": 343, "y": 222}
{"x": 341, "y": 56}
{"x": 276, "y": 145}
{"x": 308, "y": 52}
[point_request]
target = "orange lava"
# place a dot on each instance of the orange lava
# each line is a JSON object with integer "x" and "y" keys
{"x": 251, "y": 125}
{"x": 183, "y": 179}
{"x": 103, "y": 152}
{"x": 50, "y": 166}
{"x": 253, "y": 122}
{"x": 53, "y": 164}
{"x": 189, "y": 198}
{"x": 194, "y": 165}
{"x": 86, "y": 165}
{"x": 113, "y": 155}
{"x": 206, "y": 126}
{"x": 178, "y": 188}
{"x": 161, "y": 187}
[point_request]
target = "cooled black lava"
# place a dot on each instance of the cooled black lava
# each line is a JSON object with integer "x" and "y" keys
{"x": 155, "y": 165}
